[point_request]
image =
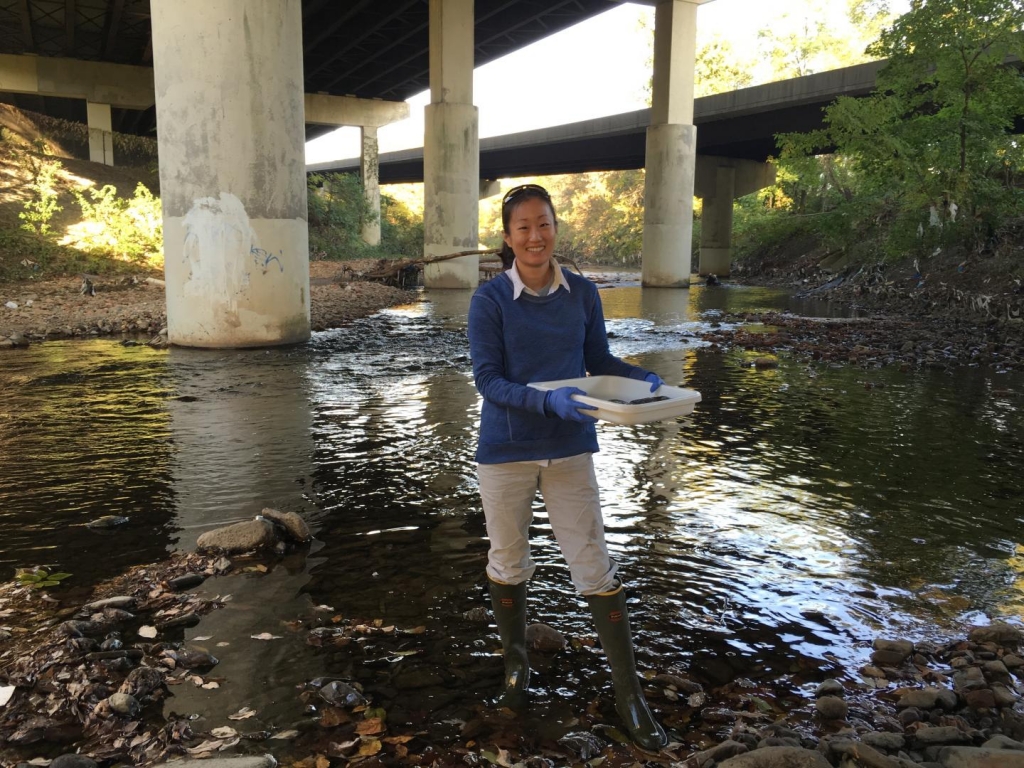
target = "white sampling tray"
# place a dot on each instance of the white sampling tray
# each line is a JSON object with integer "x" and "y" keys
{"x": 601, "y": 390}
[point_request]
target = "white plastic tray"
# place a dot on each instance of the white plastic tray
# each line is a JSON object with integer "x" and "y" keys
{"x": 602, "y": 389}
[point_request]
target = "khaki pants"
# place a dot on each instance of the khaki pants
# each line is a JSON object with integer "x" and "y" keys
{"x": 569, "y": 489}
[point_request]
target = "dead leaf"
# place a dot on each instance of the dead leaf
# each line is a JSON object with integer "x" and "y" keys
{"x": 6, "y": 692}
{"x": 210, "y": 686}
{"x": 206, "y": 746}
{"x": 323, "y": 608}
{"x": 414, "y": 631}
{"x": 398, "y": 739}
{"x": 322, "y": 761}
{"x": 342, "y": 750}
{"x": 370, "y": 747}
{"x": 243, "y": 714}
{"x": 334, "y": 717}
{"x": 224, "y": 732}
{"x": 370, "y": 727}
{"x": 200, "y": 638}
{"x": 285, "y": 735}
{"x": 265, "y": 636}
{"x": 147, "y": 631}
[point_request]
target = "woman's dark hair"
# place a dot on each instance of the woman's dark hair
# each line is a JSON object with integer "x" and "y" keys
{"x": 509, "y": 202}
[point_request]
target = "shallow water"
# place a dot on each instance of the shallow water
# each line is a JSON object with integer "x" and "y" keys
{"x": 796, "y": 515}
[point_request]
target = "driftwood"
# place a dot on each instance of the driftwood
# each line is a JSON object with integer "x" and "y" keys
{"x": 401, "y": 271}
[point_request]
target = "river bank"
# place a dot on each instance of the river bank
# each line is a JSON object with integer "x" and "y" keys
{"x": 84, "y": 306}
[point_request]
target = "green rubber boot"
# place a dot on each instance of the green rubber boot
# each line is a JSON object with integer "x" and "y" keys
{"x": 612, "y": 621}
{"x": 509, "y": 604}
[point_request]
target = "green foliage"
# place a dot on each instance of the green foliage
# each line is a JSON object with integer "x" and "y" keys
{"x": 37, "y": 578}
{"x": 401, "y": 231}
{"x": 126, "y": 229}
{"x": 719, "y": 68}
{"x": 42, "y": 206}
{"x": 929, "y": 157}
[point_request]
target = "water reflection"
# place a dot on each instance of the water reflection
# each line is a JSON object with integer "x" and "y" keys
{"x": 797, "y": 513}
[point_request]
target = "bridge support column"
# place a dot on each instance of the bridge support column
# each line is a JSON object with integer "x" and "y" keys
{"x": 451, "y": 149}
{"x": 229, "y": 100}
{"x": 369, "y": 169}
{"x": 716, "y": 226}
{"x": 671, "y": 157}
{"x": 101, "y": 136}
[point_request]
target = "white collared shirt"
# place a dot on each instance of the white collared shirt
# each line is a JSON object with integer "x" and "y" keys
{"x": 518, "y": 286}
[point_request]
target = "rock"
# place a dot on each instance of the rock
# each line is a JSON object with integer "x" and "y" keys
{"x": 1003, "y": 696}
{"x": 997, "y": 632}
{"x": 73, "y": 761}
{"x": 904, "y": 647}
{"x": 293, "y": 525}
{"x": 1002, "y": 741}
{"x": 777, "y": 757}
{"x": 831, "y": 708}
{"x": 723, "y": 751}
{"x": 940, "y": 735}
{"x": 341, "y": 694}
{"x": 239, "y": 761}
{"x": 921, "y": 698}
{"x": 240, "y": 537}
{"x": 996, "y": 670}
{"x": 582, "y": 743}
{"x": 979, "y": 757}
{"x": 186, "y": 581}
{"x": 867, "y": 756}
{"x": 830, "y": 688}
{"x": 889, "y": 658}
{"x": 479, "y": 615}
{"x": 124, "y": 704}
{"x": 141, "y": 682}
{"x": 124, "y": 602}
{"x": 678, "y": 683}
{"x": 1013, "y": 661}
{"x": 541, "y": 637}
{"x": 982, "y": 698}
{"x": 968, "y": 679}
{"x": 890, "y": 742}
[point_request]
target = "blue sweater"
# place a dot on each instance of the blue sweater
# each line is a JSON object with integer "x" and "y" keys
{"x": 535, "y": 338}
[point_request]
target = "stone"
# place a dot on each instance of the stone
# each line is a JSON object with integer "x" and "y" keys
{"x": 947, "y": 699}
{"x": 777, "y": 757}
{"x": 940, "y": 735}
{"x": 124, "y": 602}
{"x": 1002, "y": 741}
{"x": 887, "y": 658}
{"x": 1003, "y": 696}
{"x": 678, "y": 683}
{"x": 725, "y": 750}
{"x": 909, "y": 715}
{"x": 996, "y": 670}
{"x": 890, "y": 742}
{"x": 868, "y": 757}
{"x": 239, "y": 761}
{"x": 186, "y": 581}
{"x": 921, "y": 698}
{"x": 541, "y": 637}
{"x": 1013, "y": 661}
{"x": 124, "y": 704}
{"x": 968, "y": 679}
{"x": 141, "y": 682}
{"x": 831, "y": 708}
{"x": 982, "y": 698}
{"x": 997, "y": 632}
{"x": 293, "y": 525}
{"x": 979, "y": 757}
{"x": 871, "y": 670}
{"x": 73, "y": 761}
{"x": 830, "y": 688}
{"x": 240, "y": 537}
{"x": 904, "y": 647}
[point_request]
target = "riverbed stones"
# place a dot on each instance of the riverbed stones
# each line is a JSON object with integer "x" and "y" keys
{"x": 294, "y": 526}
{"x": 544, "y": 638}
{"x": 124, "y": 602}
{"x": 73, "y": 761}
{"x": 240, "y": 537}
{"x": 141, "y": 682}
{"x": 238, "y": 761}
{"x": 777, "y": 757}
{"x": 831, "y": 708}
{"x": 998, "y": 632}
{"x": 979, "y": 757}
{"x": 124, "y": 704}
{"x": 829, "y": 687}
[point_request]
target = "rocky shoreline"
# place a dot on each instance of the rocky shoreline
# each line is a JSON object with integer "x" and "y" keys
{"x": 88, "y": 680}
{"x": 135, "y": 307}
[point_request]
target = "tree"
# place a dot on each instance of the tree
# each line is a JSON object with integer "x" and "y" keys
{"x": 719, "y": 68}
{"x": 934, "y": 142}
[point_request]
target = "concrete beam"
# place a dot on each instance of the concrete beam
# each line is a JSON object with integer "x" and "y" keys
{"x": 748, "y": 175}
{"x": 349, "y": 110}
{"x": 119, "y": 85}
{"x": 101, "y": 136}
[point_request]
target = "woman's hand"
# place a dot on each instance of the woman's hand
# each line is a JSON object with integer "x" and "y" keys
{"x": 654, "y": 380}
{"x": 559, "y": 402}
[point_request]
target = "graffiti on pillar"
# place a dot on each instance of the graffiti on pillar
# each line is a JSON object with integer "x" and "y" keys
{"x": 263, "y": 258}
{"x": 222, "y": 250}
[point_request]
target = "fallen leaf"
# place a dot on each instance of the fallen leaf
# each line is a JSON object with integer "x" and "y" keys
{"x": 369, "y": 727}
{"x": 222, "y": 644}
{"x": 334, "y": 717}
{"x": 265, "y": 636}
{"x": 322, "y": 761}
{"x": 285, "y": 735}
{"x": 6, "y": 692}
{"x": 147, "y": 631}
{"x": 200, "y": 638}
{"x": 370, "y": 747}
{"x": 323, "y": 608}
{"x": 398, "y": 739}
{"x": 243, "y": 714}
{"x": 206, "y": 746}
{"x": 224, "y": 732}
{"x": 210, "y": 686}
{"x": 414, "y": 631}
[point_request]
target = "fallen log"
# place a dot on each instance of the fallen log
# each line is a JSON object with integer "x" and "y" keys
{"x": 393, "y": 272}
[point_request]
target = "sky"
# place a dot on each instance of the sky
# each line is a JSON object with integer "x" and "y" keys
{"x": 596, "y": 68}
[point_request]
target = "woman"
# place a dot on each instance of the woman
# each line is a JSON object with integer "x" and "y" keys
{"x": 539, "y": 322}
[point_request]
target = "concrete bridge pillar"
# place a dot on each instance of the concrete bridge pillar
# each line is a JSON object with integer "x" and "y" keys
{"x": 229, "y": 102}
{"x": 451, "y": 149}
{"x": 369, "y": 167}
{"x": 716, "y": 226}
{"x": 671, "y": 154}
{"x": 101, "y": 135}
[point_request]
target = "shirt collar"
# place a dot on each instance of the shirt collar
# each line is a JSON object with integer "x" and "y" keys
{"x": 518, "y": 286}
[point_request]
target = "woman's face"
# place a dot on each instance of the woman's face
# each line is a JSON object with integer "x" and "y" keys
{"x": 531, "y": 232}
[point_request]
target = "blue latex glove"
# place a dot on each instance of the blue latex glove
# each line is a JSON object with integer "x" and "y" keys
{"x": 559, "y": 402}
{"x": 654, "y": 379}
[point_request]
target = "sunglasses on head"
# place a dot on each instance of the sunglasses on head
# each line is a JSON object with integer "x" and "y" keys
{"x": 515, "y": 192}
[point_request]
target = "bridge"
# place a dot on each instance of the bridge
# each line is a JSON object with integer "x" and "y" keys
{"x": 235, "y": 84}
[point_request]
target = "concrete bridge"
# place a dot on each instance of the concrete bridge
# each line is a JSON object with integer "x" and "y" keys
{"x": 233, "y": 85}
